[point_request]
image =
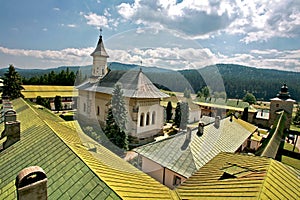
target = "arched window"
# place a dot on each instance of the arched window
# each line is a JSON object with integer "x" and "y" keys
{"x": 142, "y": 120}
{"x": 153, "y": 117}
{"x": 98, "y": 110}
{"x": 147, "y": 119}
{"x": 84, "y": 107}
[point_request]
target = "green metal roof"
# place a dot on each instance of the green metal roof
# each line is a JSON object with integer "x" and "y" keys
{"x": 252, "y": 177}
{"x": 73, "y": 172}
{"x": 185, "y": 158}
{"x": 68, "y": 176}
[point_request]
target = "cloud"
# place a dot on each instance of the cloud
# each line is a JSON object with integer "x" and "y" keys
{"x": 56, "y": 9}
{"x": 170, "y": 58}
{"x": 45, "y": 29}
{"x": 194, "y": 18}
{"x": 255, "y": 20}
{"x": 100, "y": 20}
{"x": 68, "y": 56}
{"x": 72, "y": 25}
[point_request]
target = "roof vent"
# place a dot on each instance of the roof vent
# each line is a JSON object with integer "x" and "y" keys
{"x": 200, "y": 129}
{"x": 217, "y": 121}
{"x": 31, "y": 183}
{"x": 187, "y": 139}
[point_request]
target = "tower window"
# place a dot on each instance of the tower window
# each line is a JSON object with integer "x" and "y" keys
{"x": 142, "y": 120}
{"x": 153, "y": 117}
{"x": 98, "y": 110}
{"x": 148, "y": 119}
{"x": 277, "y": 105}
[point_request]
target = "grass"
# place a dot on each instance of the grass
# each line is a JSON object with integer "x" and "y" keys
{"x": 289, "y": 147}
{"x": 291, "y": 161}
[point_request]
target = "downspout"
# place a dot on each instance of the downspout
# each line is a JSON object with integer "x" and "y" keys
{"x": 164, "y": 173}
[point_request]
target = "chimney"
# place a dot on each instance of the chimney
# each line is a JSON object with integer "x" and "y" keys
{"x": 200, "y": 129}
{"x": 217, "y": 121}
{"x": 31, "y": 183}
{"x": 12, "y": 128}
{"x": 188, "y": 134}
{"x": 187, "y": 139}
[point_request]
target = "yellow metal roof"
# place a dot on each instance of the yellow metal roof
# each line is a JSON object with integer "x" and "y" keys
{"x": 48, "y": 91}
{"x": 40, "y": 128}
{"x": 250, "y": 177}
{"x": 251, "y": 109}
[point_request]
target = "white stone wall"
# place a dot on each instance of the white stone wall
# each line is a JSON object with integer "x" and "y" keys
{"x": 99, "y": 66}
{"x": 158, "y": 119}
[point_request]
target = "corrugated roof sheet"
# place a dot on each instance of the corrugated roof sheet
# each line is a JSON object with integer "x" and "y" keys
{"x": 186, "y": 158}
{"x": 134, "y": 84}
{"x": 261, "y": 178}
{"x": 72, "y": 170}
{"x": 48, "y": 91}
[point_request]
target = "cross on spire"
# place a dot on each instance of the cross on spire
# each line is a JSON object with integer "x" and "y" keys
{"x": 100, "y": 31}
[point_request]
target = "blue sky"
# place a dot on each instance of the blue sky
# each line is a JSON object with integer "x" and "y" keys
{"x": 165, "y": 33}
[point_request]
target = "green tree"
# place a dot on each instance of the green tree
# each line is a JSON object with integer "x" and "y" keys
{"x": 187, "y": 93}
{"x": 12, "y": 83}
{"x": 57, "y": 103}
{"x": 169, "y": 111}
{"x": 296, "y": 119}
{"x": 116, "y": 120}
{"x": 181, "y": 115}
{"x": 250, "y": 98}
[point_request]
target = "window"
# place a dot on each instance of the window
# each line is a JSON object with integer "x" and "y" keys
{"x": 153, "y": 117}
{"x": 98, "y": 110}
{"x": 147, "y": 119}
{"x": 142, "y": 120}
{"x": 176, "y": 180}
{"x": 277, "y": 105}
{"x": 84, "y": 107}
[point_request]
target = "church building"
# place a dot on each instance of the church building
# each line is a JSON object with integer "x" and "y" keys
{"x": 145, "y": 115}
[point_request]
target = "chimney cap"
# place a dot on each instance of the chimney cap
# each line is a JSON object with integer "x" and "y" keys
{"x": 30, "y": 175}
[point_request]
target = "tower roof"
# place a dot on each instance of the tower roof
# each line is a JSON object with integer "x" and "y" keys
{"x": 100, "y": 50}
{"x": 135, "y": 84}
{"x": 284, "y": 94}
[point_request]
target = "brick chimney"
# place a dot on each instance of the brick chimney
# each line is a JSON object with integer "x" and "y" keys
{"x": 200, "y": 129}
{"x": 31, "y": 183}
{"x": 12, "y": 128}
{"x": 217, "y": 121}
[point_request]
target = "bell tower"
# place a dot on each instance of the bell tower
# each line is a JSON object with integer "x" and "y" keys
{"x": 100, "y": 56}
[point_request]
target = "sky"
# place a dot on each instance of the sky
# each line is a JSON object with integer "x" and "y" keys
{"x": 173, "y": 34}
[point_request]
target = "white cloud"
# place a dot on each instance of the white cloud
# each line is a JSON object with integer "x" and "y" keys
{"x": 96, "y": 20}
{"x": 56, "y": 9}
{"x": 68, "y": 56}
{"x": 45, "y": 29}
{"x": 101, "y": 20}
{"x": 256, "y": 20}
{"x": 72, "y": 25}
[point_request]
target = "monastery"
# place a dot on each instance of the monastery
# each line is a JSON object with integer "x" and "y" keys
{"x": 144, "y": 112}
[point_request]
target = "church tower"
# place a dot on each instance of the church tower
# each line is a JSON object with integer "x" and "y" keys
{"x": 282, "y": 102}
{"x": 100, "y": 56}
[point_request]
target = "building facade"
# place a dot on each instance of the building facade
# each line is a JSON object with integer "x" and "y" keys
{"x": 145, "y": 115}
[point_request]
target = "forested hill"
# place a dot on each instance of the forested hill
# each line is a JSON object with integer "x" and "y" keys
{"x": 263, "y": 83}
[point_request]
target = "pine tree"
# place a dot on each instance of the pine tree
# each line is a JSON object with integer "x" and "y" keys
{"x": 57, "y": 103}
{"x": 12, "y": 83}
{"x": 169, "y": 111}
{"x": 177, "y": 117}
{"x": 184, "y": 107}
{"x": 181, "y": 115}
{"x": 116, "y": 120}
